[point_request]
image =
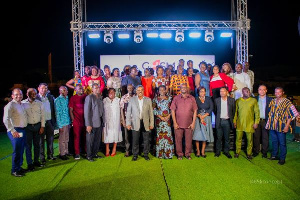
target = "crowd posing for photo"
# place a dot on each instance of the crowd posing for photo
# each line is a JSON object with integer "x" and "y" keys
{"x": 175, "y": 105}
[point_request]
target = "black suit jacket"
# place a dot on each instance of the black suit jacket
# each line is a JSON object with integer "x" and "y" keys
{"x": 230, "y": 108}
{"x": 268, "y": 100}
{"x": 51, "y": 100}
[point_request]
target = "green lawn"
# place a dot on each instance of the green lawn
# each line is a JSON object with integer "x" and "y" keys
{"x": 120, "y": 178}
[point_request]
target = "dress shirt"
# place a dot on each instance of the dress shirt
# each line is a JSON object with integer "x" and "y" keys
{"x": 141, "y": 101}
{"x": 224, "y": 109}
{"x": 14, "y": 116}
{"x": 47, "y": 107}
{"x": 262, "y": 107}
{"x": 35, "y": 112}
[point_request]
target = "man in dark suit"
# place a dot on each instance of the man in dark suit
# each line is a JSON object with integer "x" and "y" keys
{"x": 261, "y": 134}
{"x": 94, "y": 118}
{"x": 224, "y": 111}
{"x": 48, "y": 102}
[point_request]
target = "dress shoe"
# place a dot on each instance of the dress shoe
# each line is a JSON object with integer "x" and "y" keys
{"x": 203, "y": 156}
{"x": 217, "y": 154}
{"x": 90, "y": 159}
{"x": 236, "y": 155}
{"x": 249, "y": 157}
{"x": 228, "y": 155}
{"x": 134, "y": 158}
{"x": 147, "y": 158}
{"x": 264, "y": 156}
{"x": 97, "y": 156}
{"x": 255, "y": 154}
{"x": 273, "y": 158}
{"x": 281, "y": 162}
{"x": 30, "y": 168}
{"x": 23, "y": 171}
{"x": 17, "y": 174}
{"x": 69, "y": 154}
{"x": 64, "y": 157}
{"x": 51, "y": 158}
{"x": 38, "y": 164}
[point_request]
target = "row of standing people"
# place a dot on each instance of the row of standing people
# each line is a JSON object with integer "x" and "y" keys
{"x": 212, "y": 79}
{"x": 91, "y": 117}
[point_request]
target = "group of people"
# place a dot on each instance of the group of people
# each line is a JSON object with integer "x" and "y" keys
{"x": 173, "y": 105}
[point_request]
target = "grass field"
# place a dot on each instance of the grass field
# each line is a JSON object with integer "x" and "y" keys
{"x": 120, "y": 178}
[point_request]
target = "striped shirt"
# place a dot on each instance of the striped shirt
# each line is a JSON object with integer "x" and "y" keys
{"x": 280, "y": 113}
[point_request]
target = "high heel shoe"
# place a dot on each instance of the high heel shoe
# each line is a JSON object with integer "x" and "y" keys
{"x": 113, "y": 154}
{"x": 107, "y": 154}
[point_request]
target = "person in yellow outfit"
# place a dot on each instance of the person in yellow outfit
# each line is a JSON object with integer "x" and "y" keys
{"x": 246, "y": 120}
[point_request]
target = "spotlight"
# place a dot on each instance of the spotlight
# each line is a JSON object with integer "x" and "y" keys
{"x": 209, "y": 36}
{"x": 165, "y": 35}
{"x": 179, "y": 37}
{"x": 152, "y": 35}
{"x": 94, "y": 35}
{"x": 195, "y": 34}
{"x": 123, "y": 35}
{"x": 108, "y": 37}
{"x": 138, "y": 36}
{"x": 226, "y": 34}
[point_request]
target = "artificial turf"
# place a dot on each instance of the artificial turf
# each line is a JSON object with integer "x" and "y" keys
{"x": 120, "y": 178}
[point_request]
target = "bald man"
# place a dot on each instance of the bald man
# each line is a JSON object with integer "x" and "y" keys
{"x": 63, "y": 121}
{"x": 15, "y": 121}
{"x": 35, "y": 127}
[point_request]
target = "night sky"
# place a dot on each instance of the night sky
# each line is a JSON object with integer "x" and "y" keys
{"x": 33, "y": 29}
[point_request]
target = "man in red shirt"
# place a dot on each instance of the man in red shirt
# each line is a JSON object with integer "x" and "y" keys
{"x": 184, "y": 113}
{"x": 76, "y": 106}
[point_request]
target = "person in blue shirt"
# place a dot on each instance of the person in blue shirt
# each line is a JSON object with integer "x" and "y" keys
{"x": 63, "y": 121}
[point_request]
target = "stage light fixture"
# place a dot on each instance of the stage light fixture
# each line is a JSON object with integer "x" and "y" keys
{"x": 94, "y": 35}
{"x": 152, "y": 35}
{"x": 108, "y": 37}
{"x": 165, "y": 35}
{"x": 226, "y": 34}
{"x": 195, "y": 34}
{"x": 179, "y": 37}
{"x": 123, "y": 35}
{"x": 138, "y": 36}
{"x": 209, "y": 36}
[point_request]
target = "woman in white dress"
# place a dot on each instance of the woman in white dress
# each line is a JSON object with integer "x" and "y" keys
{"x": 112, "y": 127}
{"x": 115, "y": 82}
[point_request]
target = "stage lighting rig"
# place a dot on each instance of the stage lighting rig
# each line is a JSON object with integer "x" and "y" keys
{"x": 138, "y": 36}
{"x": 179, "y": 37}
{"x": 209, "y": 36}
{"x": 108, "y": 37}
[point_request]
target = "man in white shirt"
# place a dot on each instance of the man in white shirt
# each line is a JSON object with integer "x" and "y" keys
{"x": 48, "y": 102}
{"x": 15, "y": 121}
{"x": 224, "y": 111}
{"x": 140, "y": 118}
{"x": 250, "y": 73}
{"x": 35, "y": 127}
{"x": 241, "y": 80}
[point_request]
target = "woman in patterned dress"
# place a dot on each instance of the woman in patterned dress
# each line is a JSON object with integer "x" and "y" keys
{"x": 115, "y": 82}
{"x": 74, "y": 81}
{"x": 161, "y": 109}
{"x": 159, "y": 80}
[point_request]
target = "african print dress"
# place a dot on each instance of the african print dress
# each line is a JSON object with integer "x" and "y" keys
{"x": 164, "y": 140}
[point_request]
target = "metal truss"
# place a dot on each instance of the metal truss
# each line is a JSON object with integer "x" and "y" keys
{"x": 241, "y": 25}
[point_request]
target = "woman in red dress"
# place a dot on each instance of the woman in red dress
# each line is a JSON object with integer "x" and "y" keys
{"x": 147, "y": 83}
{"x": 95, "y": 78}
{"x": 191, "y": 79}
